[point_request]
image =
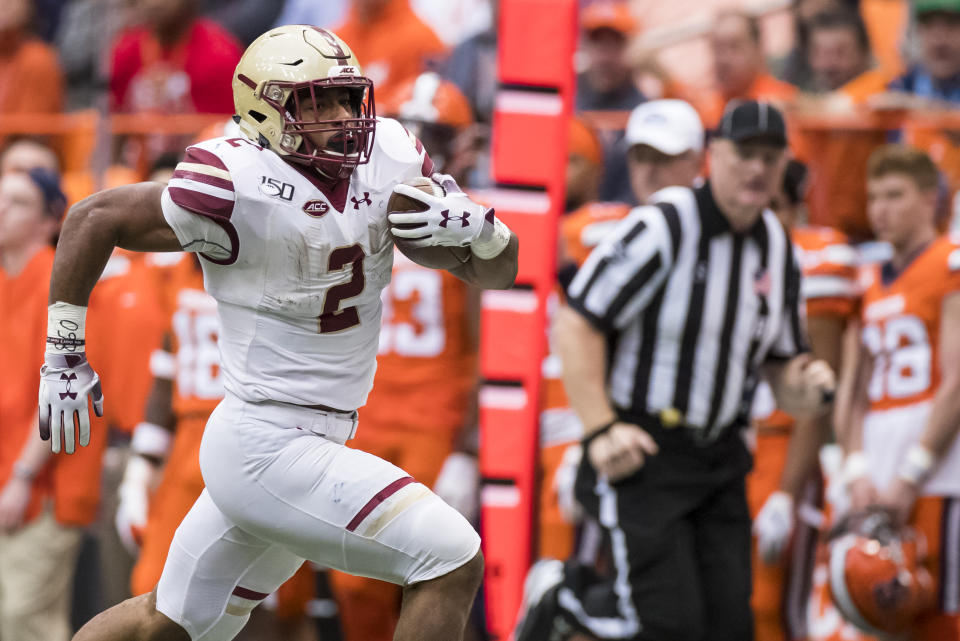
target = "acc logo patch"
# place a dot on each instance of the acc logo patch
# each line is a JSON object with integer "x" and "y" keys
{"x": 316, "y": 208}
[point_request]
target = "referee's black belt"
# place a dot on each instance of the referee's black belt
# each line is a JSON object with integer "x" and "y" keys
{"x": 667, "y": 427}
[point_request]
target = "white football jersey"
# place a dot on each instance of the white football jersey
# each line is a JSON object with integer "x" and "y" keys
{"x": 296, "y": 270}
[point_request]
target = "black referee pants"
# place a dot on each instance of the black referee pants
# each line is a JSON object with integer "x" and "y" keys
{"x": 679, "y": 533}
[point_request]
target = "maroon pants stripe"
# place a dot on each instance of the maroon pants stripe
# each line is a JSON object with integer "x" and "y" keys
{"x": 377, "y": 499}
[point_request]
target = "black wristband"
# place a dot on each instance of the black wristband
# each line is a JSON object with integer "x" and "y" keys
{"x": 600, "y": 431}
{"x": 63, "y": 342}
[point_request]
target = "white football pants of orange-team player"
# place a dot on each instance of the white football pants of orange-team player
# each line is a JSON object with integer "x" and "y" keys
{"x": 281, "y": 487}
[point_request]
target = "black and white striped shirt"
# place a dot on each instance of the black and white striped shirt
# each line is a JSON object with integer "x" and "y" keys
{"x": 693, "y": 309}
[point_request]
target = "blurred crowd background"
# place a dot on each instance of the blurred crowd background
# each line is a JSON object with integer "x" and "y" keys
{"x": 108, "y": 92}
{"x": 116, "y": 87}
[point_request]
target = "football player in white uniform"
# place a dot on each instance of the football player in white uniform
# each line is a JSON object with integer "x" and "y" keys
{"x": 291, "y": 222}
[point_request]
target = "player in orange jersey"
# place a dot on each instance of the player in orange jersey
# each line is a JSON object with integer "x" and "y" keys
{"x": 902, "y": 450}
{"x": 421, "y": 414}
{"x": 784, "y": 473}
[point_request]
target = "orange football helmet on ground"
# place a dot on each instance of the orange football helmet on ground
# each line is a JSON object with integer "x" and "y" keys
{"x": 877, "y": 578}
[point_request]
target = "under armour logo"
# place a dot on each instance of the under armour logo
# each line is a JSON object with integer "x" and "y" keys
{"x": 447, "y": 218}
{"x": 365, "y": 200}
{"x": 69, "y": 378}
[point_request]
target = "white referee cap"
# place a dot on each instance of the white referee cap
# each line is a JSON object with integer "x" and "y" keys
{"x": 669, "y": 126}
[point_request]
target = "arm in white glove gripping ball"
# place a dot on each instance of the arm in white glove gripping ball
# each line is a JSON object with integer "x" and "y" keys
{"x": 450, "y": 220}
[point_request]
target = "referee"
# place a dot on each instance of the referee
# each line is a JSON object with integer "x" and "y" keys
{"x": 669, "y": 325}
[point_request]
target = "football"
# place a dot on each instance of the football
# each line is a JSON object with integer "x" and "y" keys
{"x": 436, "y": 257}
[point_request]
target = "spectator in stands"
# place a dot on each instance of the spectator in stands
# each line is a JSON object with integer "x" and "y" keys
{"x": 739, "y": 67}
{"x": 47, "y": 14}
{"x": 605, "y": 84}
{"x": 24, "y": 154}
{"x": 44, "y": 501}
{"x": 794, "y": 68}
{"x": 472, "y": 66}
{"x": 935, "y": 80}
{"x": 839, "y": 50}
{"x": 30, "y": 76}
{"x": 454, "y": 21}
{"x": 393, "y": 43}
{"x": 320, "y": 14}
{"x": 245, "y": 19}
{"x": 175, "y": 62}
{"x": 87, "y": 29}
{"x": 606, "y": 81}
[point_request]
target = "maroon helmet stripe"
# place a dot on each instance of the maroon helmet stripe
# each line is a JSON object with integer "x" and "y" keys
{"x": 246, "y": 593}
{"x": 204, "y": 178}
{"x": 202, "y": 156}
{"x": 338, "y": 50}
{"x": 378, "y": 498}
{"x": 250, "y": 83}
{"x": 200, "y": 203}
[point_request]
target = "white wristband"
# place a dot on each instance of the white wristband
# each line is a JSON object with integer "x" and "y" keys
{"x": 163, "y": 365}
{"x": 150, "y": 439}
{"x": 916, "y": 465}
{"x": 855, "y": 467}
{"x": 486, "y": 248}
{"x": 66, "y": 328}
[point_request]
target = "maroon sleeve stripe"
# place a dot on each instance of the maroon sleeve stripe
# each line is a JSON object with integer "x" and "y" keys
{"x": 214, "y": 181}
{"x": 195, "y": 154}
{"x": 200, "y": 203}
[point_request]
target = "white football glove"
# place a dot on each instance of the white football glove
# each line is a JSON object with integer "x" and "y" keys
{"x": 564, "y": 480}
{"x": 139, "y": 478}
{"x": 458, "y": 484}
{"x": 773, "y": 526}
{"x": 452, "y": 220}
{"x": 66, "y": 380}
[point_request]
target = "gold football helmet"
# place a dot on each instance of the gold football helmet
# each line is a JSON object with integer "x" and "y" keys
{"x": 282, "y": 72}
